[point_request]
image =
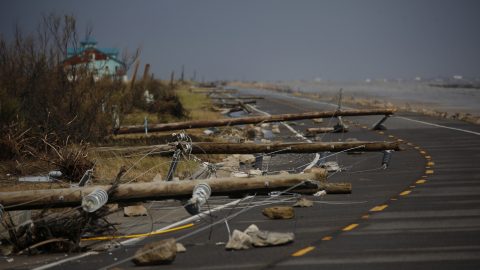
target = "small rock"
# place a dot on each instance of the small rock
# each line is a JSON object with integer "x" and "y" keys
{"x": 134, "y": 211}
{"x": 208, "y": 132}
{"x": 161, "y": 252}
{"x": 275, "y": 130}
{"x": 157, "y": 178}
{"x": 181, "y": 248}
{"x": 279, "y": 212}
{"x": 246, "y": 159}
{"x": 239, "y": 240}
{"x": 254, "y": 172}
{"x": 317, "y": 120}
{"x": 239, "y": 174}
{"x": 265, "y": 125}
{"x": 320, "y": 193}
{"x": 303, "y": 202}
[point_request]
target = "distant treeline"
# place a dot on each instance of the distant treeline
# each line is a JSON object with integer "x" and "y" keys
{"x": 457, "y": 85}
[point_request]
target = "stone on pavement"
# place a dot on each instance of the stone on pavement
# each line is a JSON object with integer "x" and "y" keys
{"x": 303, "y": 202}
{"x": 134, "y": 211}
{"x": 279, "y": 212}
{"x": 160, "y": 252}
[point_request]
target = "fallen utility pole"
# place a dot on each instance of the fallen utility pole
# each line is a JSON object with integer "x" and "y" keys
{"x": 248, "y": 120}
{"x": 242, "y": 97}
{"x": 252, "y": 148}
{"x": 67, "y": 197}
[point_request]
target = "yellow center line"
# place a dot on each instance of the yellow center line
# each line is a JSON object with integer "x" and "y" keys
{"x": 379, "y": 208}
{"x": 381, "y": 132}
{"x": 327, "y": 238}
{"x": 428, "y": 157}
{"x": 406, "y": 192}
{"x": 365, "y": 216}
{"x": 421, "y": 181}
{"x": 416, "y": 147}
{"x": 391, "y": 136}
{"x": 429, "y": 172}
{"x": 423, "y": 152}
{"x": 110, "y": 237}
{"x": 430, "y": 163}
{"x": 303, "y": 251}
{"x": 350, "y": 227}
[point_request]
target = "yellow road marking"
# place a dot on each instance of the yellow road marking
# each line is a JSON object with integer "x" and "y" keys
{"x": 110, "y": 237}
{"x": 327, "y": 238}
{"x": 393, "y": 199}
{"x": 429, "y": 172}
{"x": 423, "y": 152}
{"x": 391, "y": 136}
{"x": 381, "y": 132}
{"x": 379, "y": 208}
{"x": 399, "y": 140}
{"x": 303, "y": 251}
{"x": 406, "y": 192}
{"x": 350, "y": 227}
{"x": 421, "y": 181}
{"x": 430, "y": 163}
{"x": 365, "y": 216}
{"x": 416, "y": 147}
{"x": 428, "y": 157}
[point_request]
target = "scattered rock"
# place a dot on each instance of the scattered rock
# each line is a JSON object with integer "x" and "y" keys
{"x": 331, "y": 166}
{"x": 239, "y": 240}
{"x": 181, "y": 248}
{"x": 276, "y": 130}
{"x": 255, "y": 172}
{"x": 239, "y": 174}
{"x": 265, "y": 125}
{"x": 317, "y": 120}
{"x": 246, "y": 159}
{"x": 135, "y": 211}
{"x": 161, "y": 252}
{"x": 279, "y": 212}
{"x": 157, "y": 178}
{"x": 320, "y": 193}
{"x": 208, "y": 132}
{"x": 303, "y": 202}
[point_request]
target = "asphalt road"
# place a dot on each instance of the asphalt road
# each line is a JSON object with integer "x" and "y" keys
{"x": 422, "y": 212}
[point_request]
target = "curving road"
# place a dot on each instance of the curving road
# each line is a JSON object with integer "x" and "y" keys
{"x": 422, "y": 212}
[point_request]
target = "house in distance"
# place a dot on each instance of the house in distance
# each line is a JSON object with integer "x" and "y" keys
{"x": 102, "y": 62}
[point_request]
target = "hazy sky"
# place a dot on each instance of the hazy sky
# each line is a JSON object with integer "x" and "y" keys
{"x": 279, "y": 40}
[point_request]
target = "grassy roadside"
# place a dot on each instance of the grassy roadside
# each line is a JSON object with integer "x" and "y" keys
{"x": 141, "y": 167}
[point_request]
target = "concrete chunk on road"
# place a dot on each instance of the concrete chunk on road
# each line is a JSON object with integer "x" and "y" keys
{"x": 156, "y": 253}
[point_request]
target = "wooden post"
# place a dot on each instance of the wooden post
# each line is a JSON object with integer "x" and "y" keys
{"x": 249, "y": 148}
{"x": 249, "y": 120}
{"x": 34, "y": 199}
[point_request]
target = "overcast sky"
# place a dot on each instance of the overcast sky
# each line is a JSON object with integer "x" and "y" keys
{"x": 279, "y": 40}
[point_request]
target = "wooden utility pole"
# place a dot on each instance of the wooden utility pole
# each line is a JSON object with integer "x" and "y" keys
{"x": 252, "y": 148}
{"x": 146, "y": 72}
{"x": 134, "y": 76}
{"x": 66, "y": 197}
{"x": 249, "y": 120}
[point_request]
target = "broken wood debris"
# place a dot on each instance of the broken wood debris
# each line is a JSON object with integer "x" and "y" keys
{"x": 248, "y": 120}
